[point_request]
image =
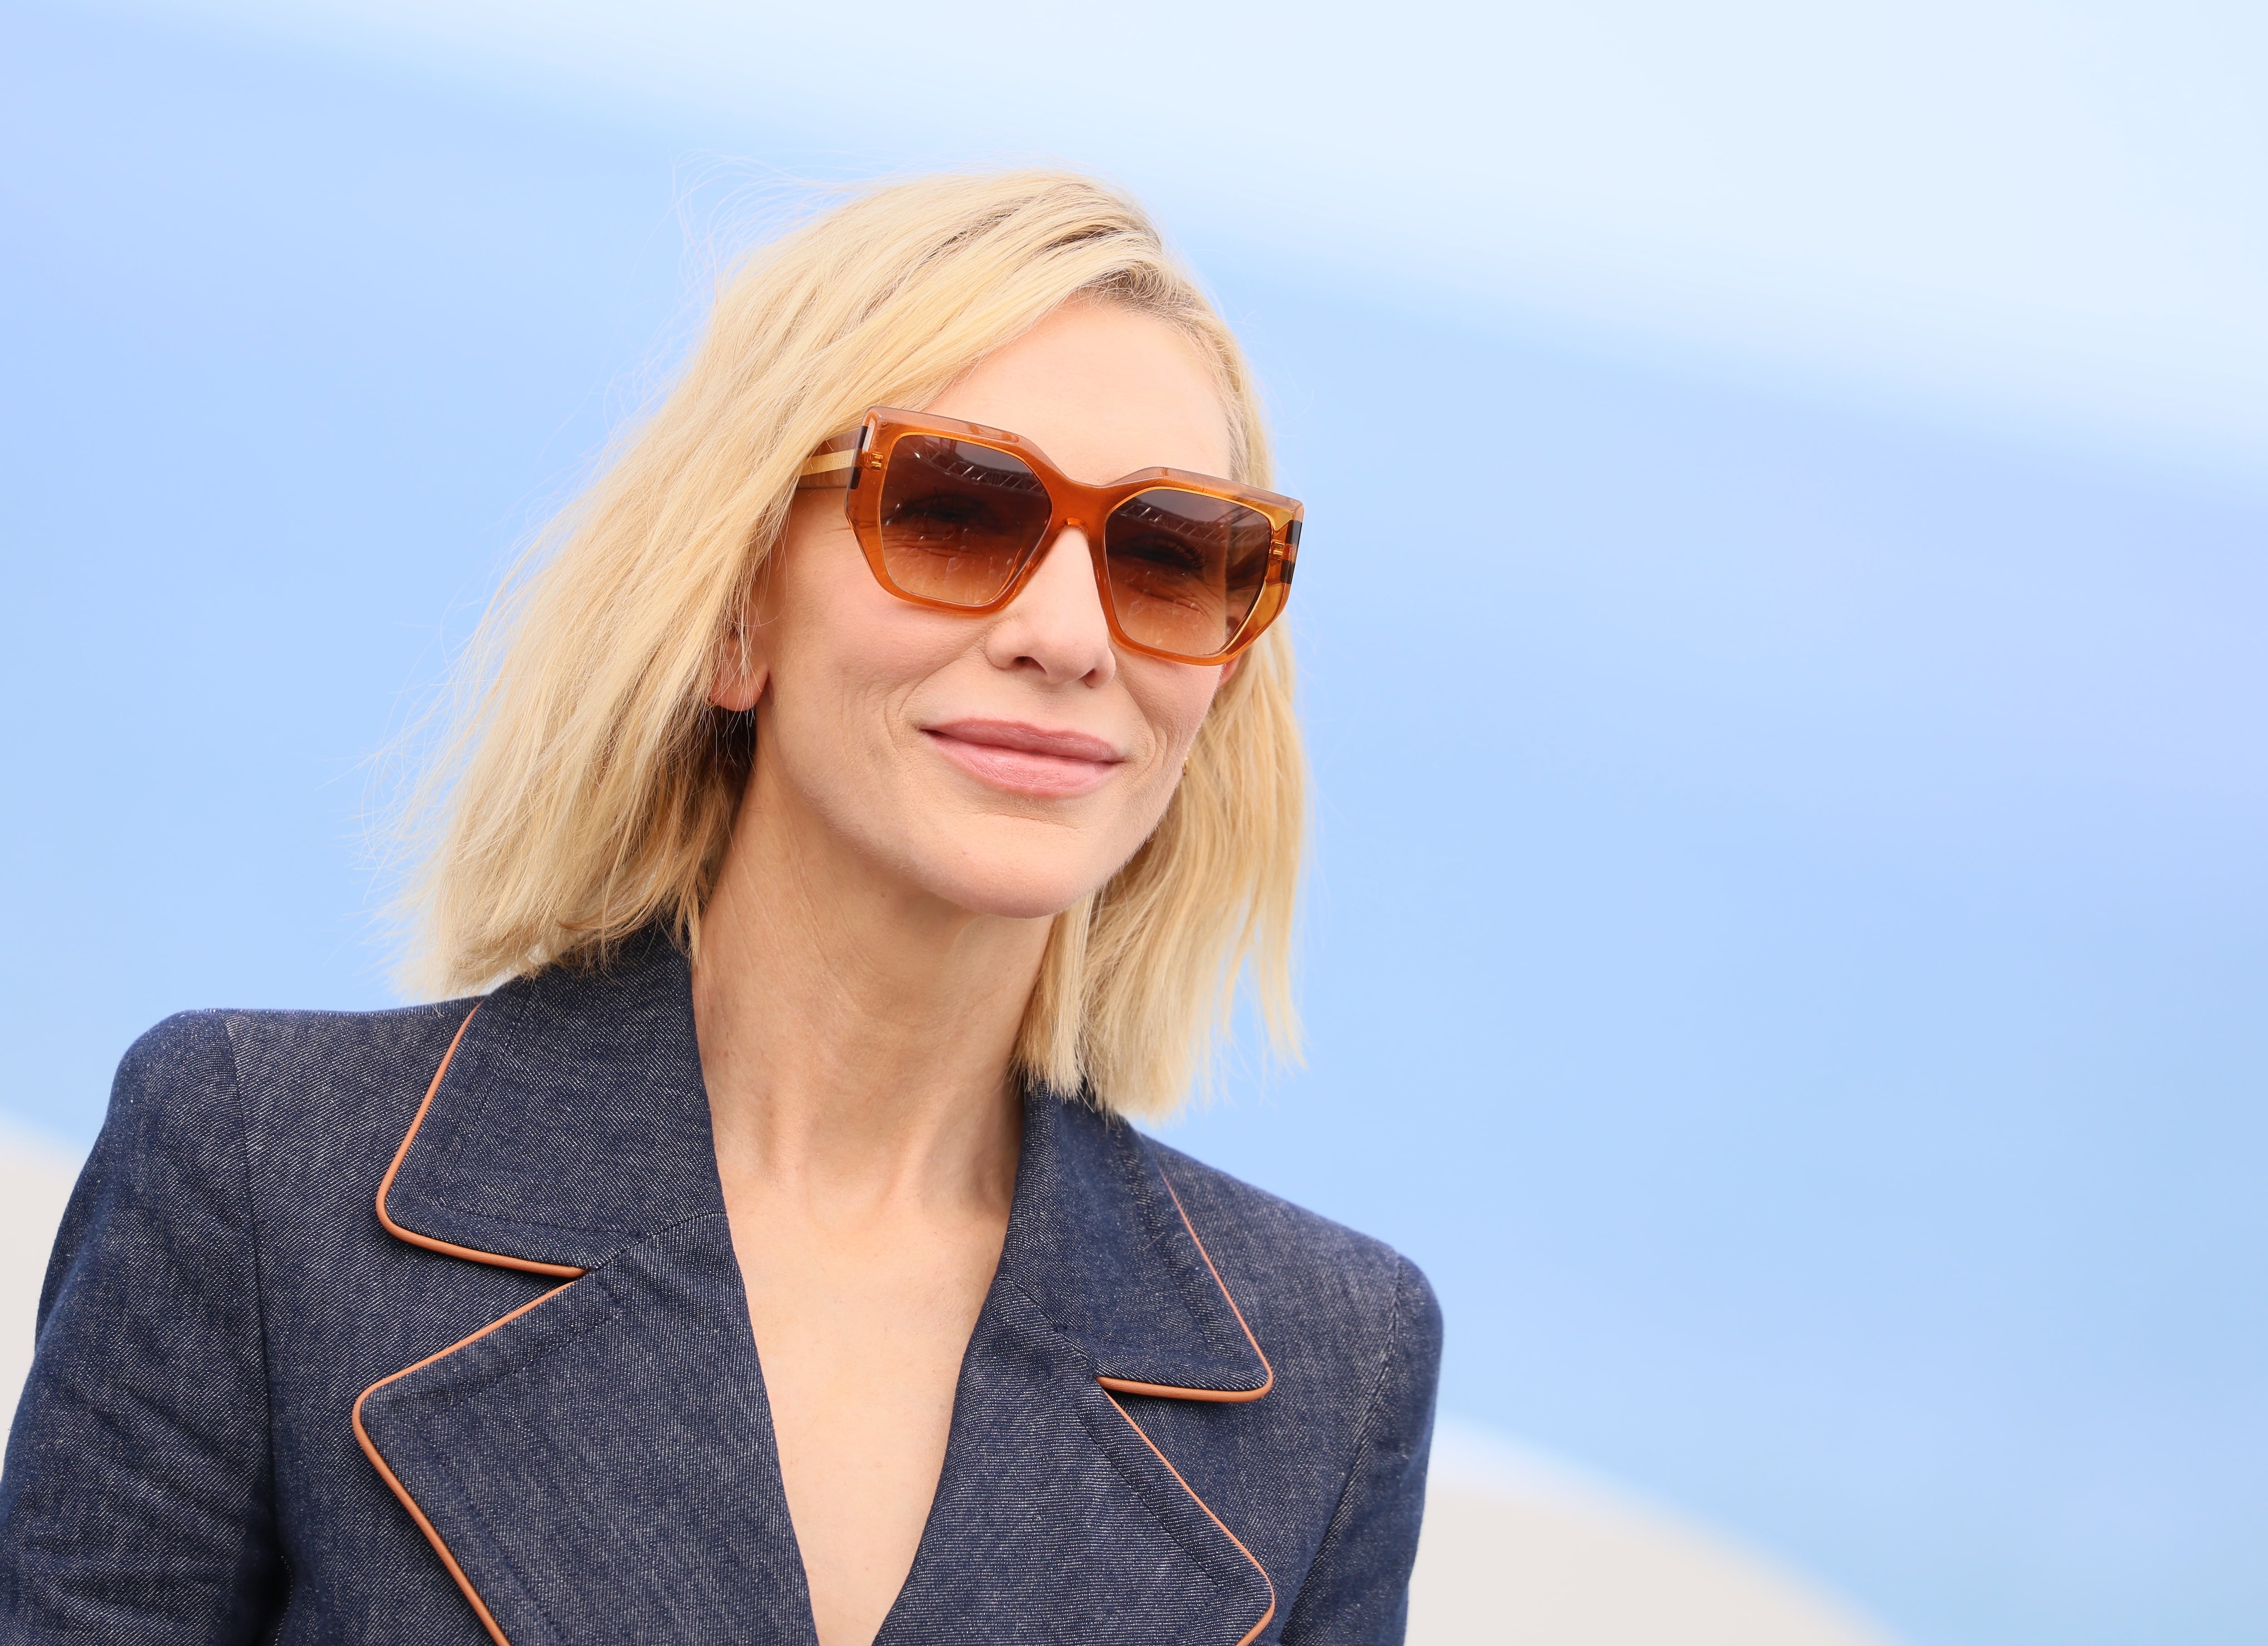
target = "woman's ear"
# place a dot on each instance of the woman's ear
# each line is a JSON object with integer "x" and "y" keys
{"x": 740, "y": 673}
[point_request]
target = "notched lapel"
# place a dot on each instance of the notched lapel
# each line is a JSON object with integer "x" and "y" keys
{"x": 569, "y": 1119}
{"x": 602, "y": 1466}
{"x": 1055, "y": 1522}
{"x": 1099, "y": 1241}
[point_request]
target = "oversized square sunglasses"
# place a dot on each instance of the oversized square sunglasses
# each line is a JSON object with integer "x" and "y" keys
{"x": 957, "y": 517}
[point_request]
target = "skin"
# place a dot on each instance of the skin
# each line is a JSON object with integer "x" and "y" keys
{"x": 878, "y": 922}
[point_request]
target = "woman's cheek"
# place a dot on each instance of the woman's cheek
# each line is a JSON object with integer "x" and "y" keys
{"x": 1184, "y": 705}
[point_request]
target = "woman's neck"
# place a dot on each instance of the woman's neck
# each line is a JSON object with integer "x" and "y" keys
{"x": 856, "y": 1036}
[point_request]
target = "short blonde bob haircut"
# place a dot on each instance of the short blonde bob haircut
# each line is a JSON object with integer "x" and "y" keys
{"x": 588, "y": 790}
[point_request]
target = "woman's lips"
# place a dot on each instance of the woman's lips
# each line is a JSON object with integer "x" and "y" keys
{"x": 1026, "y": 759}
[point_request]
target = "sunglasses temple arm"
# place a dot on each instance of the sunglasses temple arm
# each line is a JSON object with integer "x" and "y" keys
{"x": 830, "y": 467}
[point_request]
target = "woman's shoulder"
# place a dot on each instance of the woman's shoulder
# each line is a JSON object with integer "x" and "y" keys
{"x": 1302, "y": 1270}
{"x": 249, "y": 1130}
{"x": 320, "y": 1080}
{"x": 316, "y": 1053}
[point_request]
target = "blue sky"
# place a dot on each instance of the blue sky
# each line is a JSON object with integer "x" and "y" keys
{"x": 2047, "y": 212}
{"x": 1786, "y": 949}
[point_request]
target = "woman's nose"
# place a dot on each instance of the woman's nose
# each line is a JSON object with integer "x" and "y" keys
{"x": 1056, "y": 625}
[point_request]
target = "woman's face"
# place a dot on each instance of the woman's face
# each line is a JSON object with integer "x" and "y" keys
{"x": 1009, "y": 764}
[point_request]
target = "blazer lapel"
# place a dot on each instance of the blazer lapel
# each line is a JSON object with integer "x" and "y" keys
{"x": 1100, "y": 1241}
{"x": 1056, "y": 1522}
{"x": 569, "y": 1120}
{"x": 599, "y": 1464}
{"x": 1056, "y": 1519}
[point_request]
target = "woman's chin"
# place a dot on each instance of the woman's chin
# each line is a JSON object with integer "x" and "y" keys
{"x": 1013, "y": 868}
{"x": 1016, "y": 897}
{"x": 1013, "y": 885}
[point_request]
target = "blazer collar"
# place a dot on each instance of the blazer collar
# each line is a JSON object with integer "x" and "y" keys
{"x": 570, "y": 1121}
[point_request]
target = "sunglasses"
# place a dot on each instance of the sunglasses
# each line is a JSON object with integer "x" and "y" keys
{"x": 957, "y": 517}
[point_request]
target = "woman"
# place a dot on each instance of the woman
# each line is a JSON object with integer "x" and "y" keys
{"x": 871, "y": 807}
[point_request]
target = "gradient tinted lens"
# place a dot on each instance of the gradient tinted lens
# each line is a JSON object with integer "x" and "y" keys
{"x": 1185, "y": 568}
{"x": 958, "y": 518}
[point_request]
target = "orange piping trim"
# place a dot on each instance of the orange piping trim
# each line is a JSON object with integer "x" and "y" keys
{"x": 1247, "y": 1638}
{"x": 569, "y": 1272}
{"x": 1127, "y": 1385}
{"x": 562, "y": 1271}
{"x": 369, "y": 1451}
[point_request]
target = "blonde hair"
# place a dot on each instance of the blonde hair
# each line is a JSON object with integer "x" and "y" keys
{"x": 589, "y": 788}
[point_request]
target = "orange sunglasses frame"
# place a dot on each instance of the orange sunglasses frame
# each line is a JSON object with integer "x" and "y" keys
{"x": 865, "y": 451}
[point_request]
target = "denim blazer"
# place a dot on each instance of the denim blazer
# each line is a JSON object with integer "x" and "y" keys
{"x": 425, "y": 1326}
